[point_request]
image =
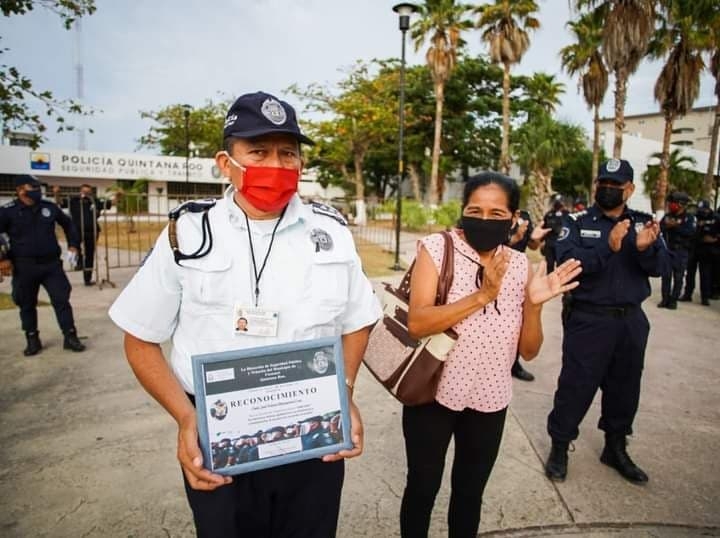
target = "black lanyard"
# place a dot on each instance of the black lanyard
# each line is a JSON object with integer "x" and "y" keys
{"x": 258, "y": 276}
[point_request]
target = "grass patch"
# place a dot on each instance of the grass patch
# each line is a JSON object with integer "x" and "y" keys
{"x": 6, "y": 302}
{"x": 376, "y": 260}
{"x": 135, "y": 237}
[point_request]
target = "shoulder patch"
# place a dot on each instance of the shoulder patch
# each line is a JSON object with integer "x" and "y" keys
{"x": 328, "y": 211}
{"x": 193, "y": 206}
{"x": 563, "y": 233}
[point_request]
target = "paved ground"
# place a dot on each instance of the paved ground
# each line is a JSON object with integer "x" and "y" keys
{"x": 86, "y": 453}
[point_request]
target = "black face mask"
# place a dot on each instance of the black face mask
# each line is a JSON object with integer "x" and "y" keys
{"x": 609, "y": 198}
{"x": 485, "y": 234}
{"x": 34, "y": 195}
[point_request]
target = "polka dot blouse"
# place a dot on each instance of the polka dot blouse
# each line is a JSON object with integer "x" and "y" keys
{"x": 477, "y": 370}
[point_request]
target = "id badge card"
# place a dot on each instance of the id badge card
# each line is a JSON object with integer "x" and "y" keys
{"x": 249, "y": 321}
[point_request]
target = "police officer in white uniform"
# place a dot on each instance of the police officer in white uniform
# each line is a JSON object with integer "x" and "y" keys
{"x": 269, "y": 253}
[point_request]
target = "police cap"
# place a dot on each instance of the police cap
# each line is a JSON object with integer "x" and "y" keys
{"x": 259, "y": 113}
{"x": 26, "y": 179}
{"x": 679, "y": 196}
{"x": 617, "y": 170}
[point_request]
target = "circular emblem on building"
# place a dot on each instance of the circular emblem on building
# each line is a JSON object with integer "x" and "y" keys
{"x": 45, "y": 212}
{"x": 215, "y": 171}
{"x": 613, "y": 165}
{"x": 273, "y": 111}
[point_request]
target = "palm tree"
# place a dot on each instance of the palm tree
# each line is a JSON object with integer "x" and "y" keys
{"x": 585, "y": 59}
{"x": 683, "y": 178}
{"x": 629, "y": 25}
{"x": 678, "y": 85}
{"x": 544, "y": 92}
{"x": 505, "y": 27}
{"x": 442, "y": 22}
{"x": 712, "y": 19}
{"x": 540, "y": 146}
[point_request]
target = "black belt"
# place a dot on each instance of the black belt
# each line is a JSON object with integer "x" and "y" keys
{"x": 615, "y": 311}
{"x": 36, "y": 259}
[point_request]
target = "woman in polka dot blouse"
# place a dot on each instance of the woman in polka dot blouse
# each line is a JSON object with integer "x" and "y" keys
{"x": 494, "y": 304}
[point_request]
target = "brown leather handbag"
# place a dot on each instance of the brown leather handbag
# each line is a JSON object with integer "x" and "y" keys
{"x": 410, "y": 369}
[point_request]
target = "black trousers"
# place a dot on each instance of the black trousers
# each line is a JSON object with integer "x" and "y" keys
{"x": 298, "y": 500}
{"x": 691, "y": 272}
{"x": 671, "y": 284}
{"x": 86, "y": 257}
{"x": 28, "y": 275}
{"x": 599, "y": 351}
{"x": 428, "y": 429}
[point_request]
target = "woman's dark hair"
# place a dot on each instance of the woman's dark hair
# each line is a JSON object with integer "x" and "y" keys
{"x": 506, "y": 183}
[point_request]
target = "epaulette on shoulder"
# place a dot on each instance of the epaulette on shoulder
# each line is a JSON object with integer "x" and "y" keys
{"x": 578, "y": 214}
{"x": 328, "y": 211}
{"x": 193, "y": 206}
{"x": 11, "y": 203}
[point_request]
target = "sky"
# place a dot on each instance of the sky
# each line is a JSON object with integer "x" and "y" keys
{"x": 140, "y": 55}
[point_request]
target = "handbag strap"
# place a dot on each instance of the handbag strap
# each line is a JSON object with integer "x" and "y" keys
{"x": 445, "y": 278}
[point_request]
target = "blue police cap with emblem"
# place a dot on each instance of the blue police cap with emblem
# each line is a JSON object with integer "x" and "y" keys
{"x": 618, "y": 170}
{"x": 26, "y": 179}
{"x": 259, "y": 113}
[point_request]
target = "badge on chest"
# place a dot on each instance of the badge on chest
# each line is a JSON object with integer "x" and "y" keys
{"x": 249, "y": 321}
{"x": 591, "y": 234}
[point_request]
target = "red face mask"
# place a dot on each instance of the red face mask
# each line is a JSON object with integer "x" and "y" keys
{"x": 674, "y": 207}
{"x": 268, "y": 188}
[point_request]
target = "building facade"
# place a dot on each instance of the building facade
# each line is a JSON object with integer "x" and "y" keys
{"x": 693, "y": 130}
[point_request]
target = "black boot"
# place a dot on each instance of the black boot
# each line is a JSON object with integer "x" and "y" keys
{"x": 72, "y": 342}
{"x": 663, "y": 303}
{"x": 521, "y": 373}
{"x": 34, "y": 345}
{"x": 556, "y": 464}
{"x": 672, "y": 304}
{"x": 615, "y": 455}
{"x": 685, "y": 298}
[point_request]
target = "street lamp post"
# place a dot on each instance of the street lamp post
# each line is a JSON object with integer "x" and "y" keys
{"x": 404, "y": 10}
{"x": 186, "y": 114}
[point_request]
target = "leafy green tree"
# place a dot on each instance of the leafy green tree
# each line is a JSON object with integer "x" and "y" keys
{"x": 683, "y": 36}
{"x": 505, "y": 25}
{"x": 361, "y": 118}
{"x": 441, "y": 22}
{"x": 542, "y": 92}
{"x": 204, "y": 129}
{"x": 540, "y": 146}
{"x": 18, "y": 96}
{"x": 574, "y": 176}
{"x": 680, "y": 177}
{"x": 710, "y": 11}
{"x": 584, "y": 58}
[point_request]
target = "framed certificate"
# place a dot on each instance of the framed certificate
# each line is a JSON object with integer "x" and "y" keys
{"x": 272, "y": 405}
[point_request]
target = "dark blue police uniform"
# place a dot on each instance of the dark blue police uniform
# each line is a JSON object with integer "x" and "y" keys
{"x": 35, "y": 255}
{"x": 678, "y": 229}
{"x": 707, "y": 248}
{"x": 85, "y": 213}
{"x": 605, "y": 331}
{"x": 553, "y": 219}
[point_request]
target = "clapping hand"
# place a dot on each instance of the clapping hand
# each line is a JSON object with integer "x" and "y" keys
{"x": 493, "y": 273}
{"x": 617, "y": 234}
{"x": 539, "y": 233}
{"x": 543, "y": 287}
{"x": 647, "y": 235}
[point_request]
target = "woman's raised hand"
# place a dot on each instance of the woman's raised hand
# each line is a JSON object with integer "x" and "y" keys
{"x": 493, "y": 273}
{"x": 543, "y": 287}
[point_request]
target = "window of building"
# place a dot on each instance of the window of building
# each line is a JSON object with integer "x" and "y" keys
{"x": 680, "y": 130}
{"x": 683, "y": 142}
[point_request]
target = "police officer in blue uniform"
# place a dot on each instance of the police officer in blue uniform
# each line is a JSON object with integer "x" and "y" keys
{"x": 678, "y": 230}
{"x": 522, "y": 237}
{"x": 707, "y": 249}
{"x": 34, "y": 259}
{"x": 619, "y": 249}
{"x": 553, "y": 220}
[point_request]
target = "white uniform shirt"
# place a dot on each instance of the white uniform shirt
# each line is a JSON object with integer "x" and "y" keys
{"x": 317, "y": 291}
